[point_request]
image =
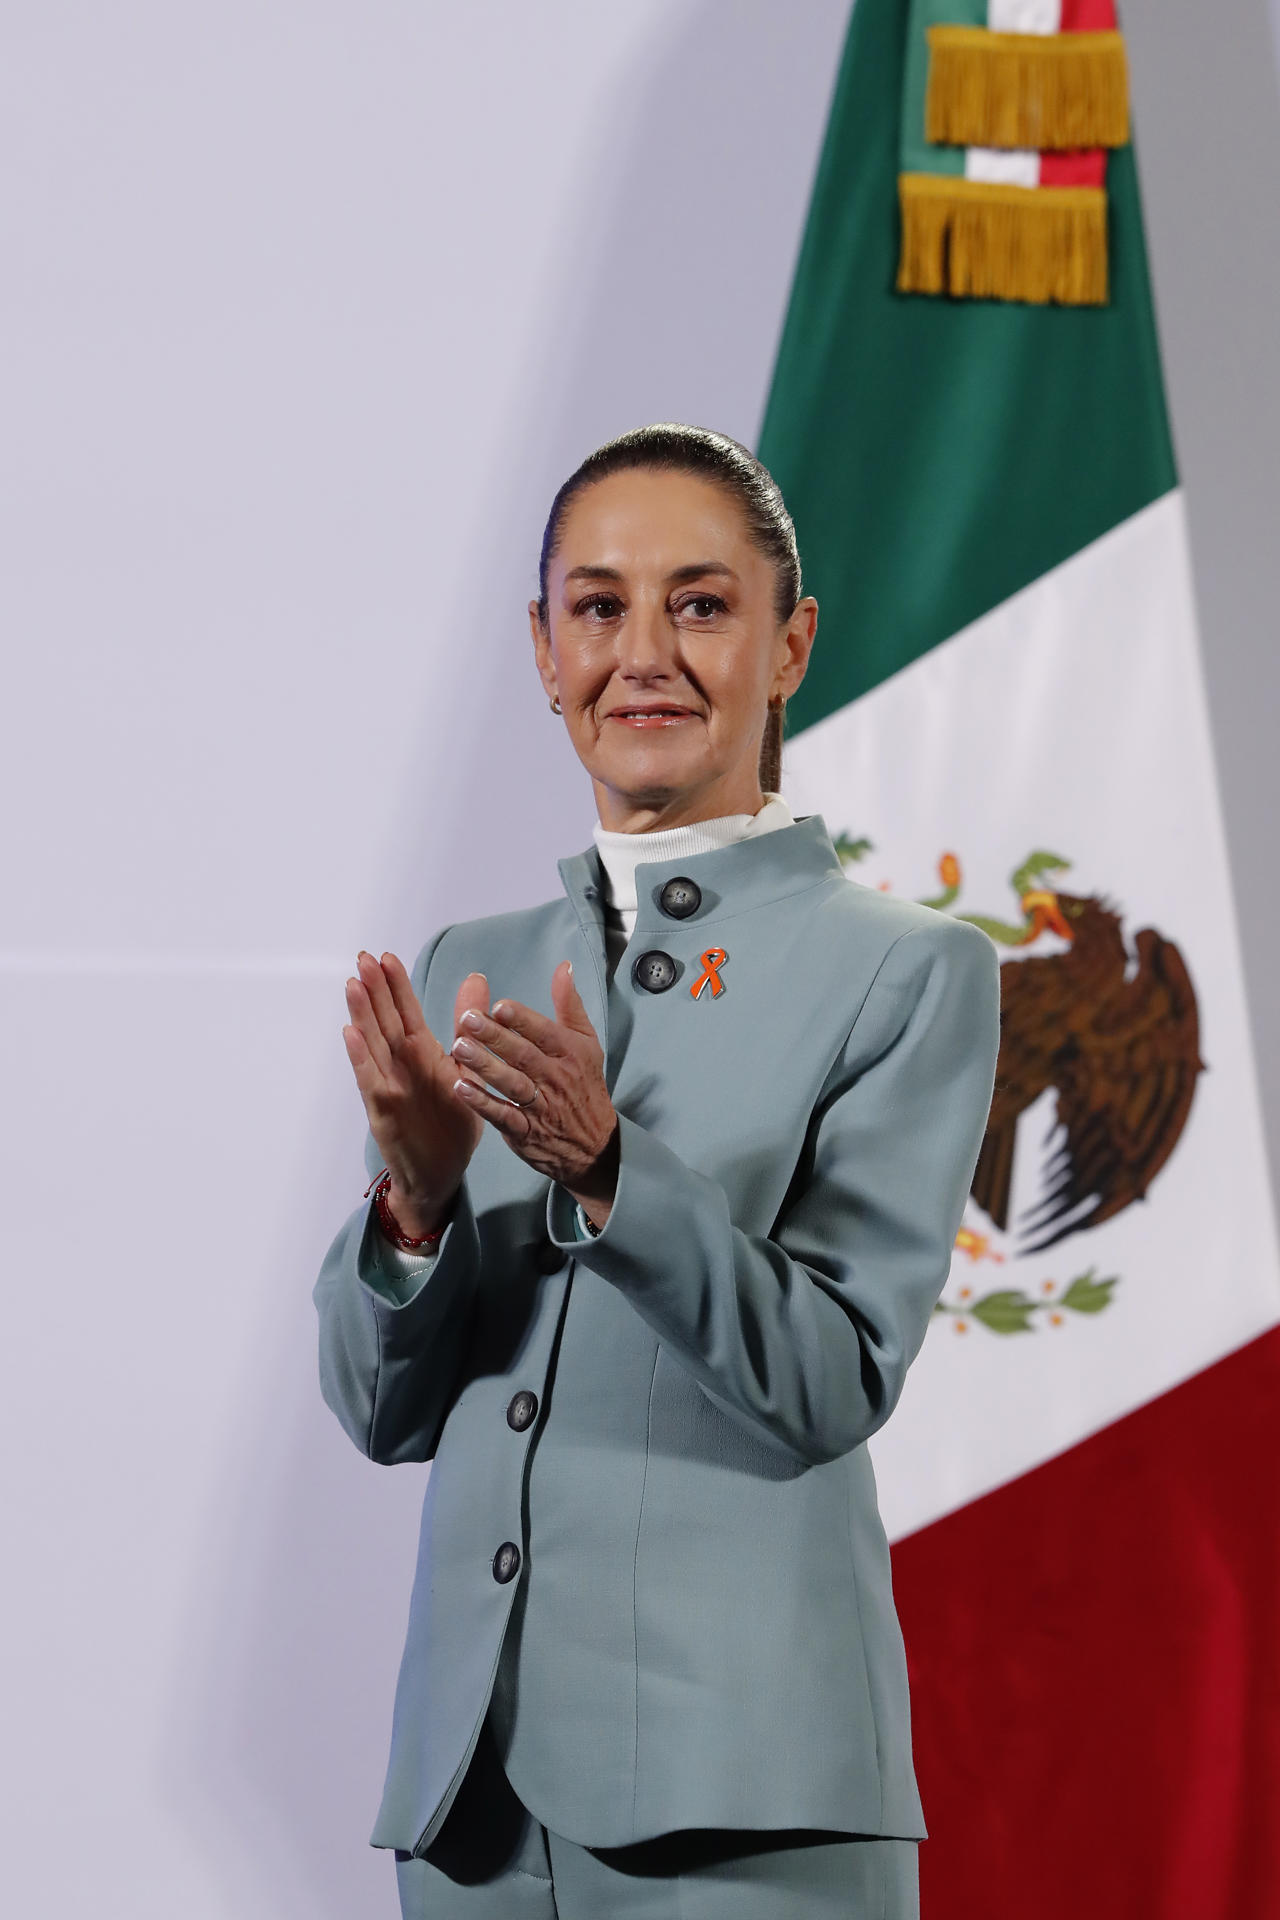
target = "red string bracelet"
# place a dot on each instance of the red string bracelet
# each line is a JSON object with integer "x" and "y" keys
{"x": 406, "y": 1242}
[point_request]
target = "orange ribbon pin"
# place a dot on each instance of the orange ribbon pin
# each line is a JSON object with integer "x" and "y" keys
{"x": 712, "y": 960}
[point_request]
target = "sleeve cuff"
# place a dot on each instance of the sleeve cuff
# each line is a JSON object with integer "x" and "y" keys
{"x": 567, "y": 1224}
{"x": 392, "y": 1273}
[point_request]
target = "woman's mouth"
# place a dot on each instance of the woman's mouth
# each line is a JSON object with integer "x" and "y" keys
{"x": 650, "y": 716}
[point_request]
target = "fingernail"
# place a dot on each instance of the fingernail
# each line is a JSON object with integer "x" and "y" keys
{"x": 571, "y": 969}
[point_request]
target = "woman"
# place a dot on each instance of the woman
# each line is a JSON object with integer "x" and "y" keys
{"x": 669, "y": 1170}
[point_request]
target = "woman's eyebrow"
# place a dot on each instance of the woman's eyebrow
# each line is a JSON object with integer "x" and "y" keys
{"x": 694, "y": 570}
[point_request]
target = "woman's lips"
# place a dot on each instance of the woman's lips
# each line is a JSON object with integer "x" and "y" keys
{"x": 650, "y": 717}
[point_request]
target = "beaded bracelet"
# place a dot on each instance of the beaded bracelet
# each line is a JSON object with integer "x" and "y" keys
{"x": 407, "y": 1243}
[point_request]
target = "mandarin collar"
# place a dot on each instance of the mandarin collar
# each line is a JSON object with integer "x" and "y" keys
{"x": 747, "y": 873}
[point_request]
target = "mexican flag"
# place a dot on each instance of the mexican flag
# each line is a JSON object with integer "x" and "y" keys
{"x": 1005, "y": 717}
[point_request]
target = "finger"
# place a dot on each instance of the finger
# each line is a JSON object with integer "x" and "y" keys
{"x": 360, "y": 1007}
{"x": 403, "y": 997}
{"x": 508, "y": 1120}
{"x": 495, "y": 1072}
{"x": 533, "y": 1026}
{"x": 384, "y": 1007}
{"x": 568, "y": 1003}
{"x": 368, "y": 1079}
{"x": 502, "y": 1041}
{"x": 474, "y": 992}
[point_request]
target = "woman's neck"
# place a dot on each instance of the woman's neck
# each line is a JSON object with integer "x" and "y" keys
{"x": 622, "y": 813}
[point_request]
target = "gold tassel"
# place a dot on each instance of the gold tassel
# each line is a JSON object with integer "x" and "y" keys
{"x": 1036, "y": 90}
{"x": 985, "y": 241}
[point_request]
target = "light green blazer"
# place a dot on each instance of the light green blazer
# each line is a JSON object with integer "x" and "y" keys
{"x": 697, "y": 1627}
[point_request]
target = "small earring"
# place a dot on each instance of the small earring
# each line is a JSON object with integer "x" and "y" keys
{"x": 555, "y": 704}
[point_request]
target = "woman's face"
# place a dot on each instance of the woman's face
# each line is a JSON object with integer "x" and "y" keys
{"x": 664, "y": 647}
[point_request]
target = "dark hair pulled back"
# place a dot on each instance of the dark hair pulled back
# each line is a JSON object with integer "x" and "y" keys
{"x": 672, "y": 447}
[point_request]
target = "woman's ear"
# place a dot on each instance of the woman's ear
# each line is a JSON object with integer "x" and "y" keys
{"x": 542, "y": 651}
{"x": 795, "y": 643}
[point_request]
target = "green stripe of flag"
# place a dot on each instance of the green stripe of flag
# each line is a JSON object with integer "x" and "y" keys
{"x": 938, "y": 455}
{"x": 915, "y": 153}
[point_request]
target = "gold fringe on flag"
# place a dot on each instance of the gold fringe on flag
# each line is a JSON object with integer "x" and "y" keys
{"x": 987, "y": 241}
{"x": 1037, "y": 90}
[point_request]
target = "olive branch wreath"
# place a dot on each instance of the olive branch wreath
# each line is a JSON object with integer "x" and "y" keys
{"x": 1010, "y": 1310}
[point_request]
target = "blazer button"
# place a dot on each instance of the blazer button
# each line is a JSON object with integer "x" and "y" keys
{"x": 506, "y": 1562}
{"x": 523, "y": 1410}
{"x": 547, "y": 1257}
{"x": 654, "y": 971}
{"x": 680, "y": 897}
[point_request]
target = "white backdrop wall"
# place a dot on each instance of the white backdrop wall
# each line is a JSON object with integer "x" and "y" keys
{"x": 307, "y": 309}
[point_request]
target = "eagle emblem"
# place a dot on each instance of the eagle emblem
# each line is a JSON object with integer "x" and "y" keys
{"x": 1116, "y": 1034}
{"x": 1103, "y": 1028}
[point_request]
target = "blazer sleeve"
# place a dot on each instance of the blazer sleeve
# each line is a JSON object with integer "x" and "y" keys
{"x": 393, "y": 1334}
{"x": 807, "y": 1333}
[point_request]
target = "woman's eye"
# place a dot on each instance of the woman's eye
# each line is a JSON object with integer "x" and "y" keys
{"x": 601, "y": 605}
{"x": 703, "y": 606}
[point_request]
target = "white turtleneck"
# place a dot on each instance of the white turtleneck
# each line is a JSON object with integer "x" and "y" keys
{"x": 620, "y": 855}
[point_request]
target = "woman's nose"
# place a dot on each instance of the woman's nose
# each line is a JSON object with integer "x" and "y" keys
{"x": 646, "y": 642}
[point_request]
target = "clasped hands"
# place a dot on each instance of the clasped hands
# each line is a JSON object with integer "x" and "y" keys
{"x": 539, "y": 1082}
